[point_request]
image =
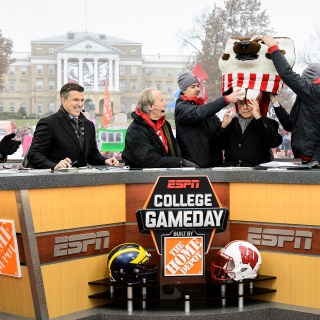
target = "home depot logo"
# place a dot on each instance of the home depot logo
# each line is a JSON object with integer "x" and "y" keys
{"x": 183, "y": 256}
{"x": 9, "y": 255}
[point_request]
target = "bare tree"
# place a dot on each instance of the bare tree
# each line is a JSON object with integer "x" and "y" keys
{"x": 310, "y": 52}
{"x": 238, "y": 18}
{"x": 5, "y": 54}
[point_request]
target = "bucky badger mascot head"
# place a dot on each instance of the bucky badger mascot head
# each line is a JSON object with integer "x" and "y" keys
{"x": 246, "y": 63}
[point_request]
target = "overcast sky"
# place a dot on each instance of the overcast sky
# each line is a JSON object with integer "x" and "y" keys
{"x": 153, "y": 23}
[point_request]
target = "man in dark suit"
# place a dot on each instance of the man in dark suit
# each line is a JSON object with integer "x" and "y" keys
{"x": 66, "y": 138}
{"x": 246, "y": 136}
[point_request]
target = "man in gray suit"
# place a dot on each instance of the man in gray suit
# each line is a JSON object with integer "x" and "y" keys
{"x": 66, "y": 138}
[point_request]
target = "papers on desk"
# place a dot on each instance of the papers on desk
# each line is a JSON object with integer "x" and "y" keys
{"x": 8, "y": 171}
{"x": 277, "y": 164}
{"x": 232, "y": 168}
{"x": 281, "y": 165}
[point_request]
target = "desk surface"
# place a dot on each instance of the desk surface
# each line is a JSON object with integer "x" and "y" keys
{"x": 40, "y": 179}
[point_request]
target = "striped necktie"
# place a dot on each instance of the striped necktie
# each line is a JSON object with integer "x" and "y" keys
{"x": 76, "y": 123}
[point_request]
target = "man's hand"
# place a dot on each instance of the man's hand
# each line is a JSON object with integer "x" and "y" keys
{"x": 254, "y": 104}
{"x": 112, "y": 162}
{"x": 269, "y": 41}
{"x": 9, "y": 146}
{"x": 235, "y": 95}
{"x": 65, "y": 163}
{"x": 228, "y": 116}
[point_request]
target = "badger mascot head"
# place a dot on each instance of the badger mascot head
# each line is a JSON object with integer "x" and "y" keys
{"x": 246, "y": 63}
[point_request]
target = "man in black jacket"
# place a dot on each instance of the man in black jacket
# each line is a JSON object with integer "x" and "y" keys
{"x": 66, "y": 138}
{"x": 247, "y": 139}
{"x": 150, "y": 142}
{"x": 197, "y": 123}
{"x": 304, "y": 118}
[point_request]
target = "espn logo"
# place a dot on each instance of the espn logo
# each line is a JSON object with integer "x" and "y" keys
{"x": 183, "y": 184}
{"x": 298, "y": 239}
{"x": 80, "y": 243}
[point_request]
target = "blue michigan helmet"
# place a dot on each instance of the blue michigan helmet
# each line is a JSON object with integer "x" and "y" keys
{"x": 127, "y": 263}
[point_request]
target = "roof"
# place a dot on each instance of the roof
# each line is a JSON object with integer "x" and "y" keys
{"x": 72, "y": 36}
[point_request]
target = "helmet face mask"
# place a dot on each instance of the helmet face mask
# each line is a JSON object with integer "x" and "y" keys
{"x": 240, "y": 260}
{"x": 128, "y": 263}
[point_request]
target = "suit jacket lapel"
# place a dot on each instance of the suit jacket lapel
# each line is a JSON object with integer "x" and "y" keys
{"x": 68, "y": 128}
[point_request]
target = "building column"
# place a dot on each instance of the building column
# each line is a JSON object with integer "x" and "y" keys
{"x": 110, "y": 76}
{"x": 65, "y": 71}
{"x": 80, "y": 72}
{"x": 59, "y": 74}
{"x": 116, "y": 75}
{"x": 95, "y": 75}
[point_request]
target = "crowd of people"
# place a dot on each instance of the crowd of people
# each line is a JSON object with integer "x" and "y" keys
{"x": 243, "y": 137}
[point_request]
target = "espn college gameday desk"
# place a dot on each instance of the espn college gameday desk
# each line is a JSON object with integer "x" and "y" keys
{"x": 66, "y": 223}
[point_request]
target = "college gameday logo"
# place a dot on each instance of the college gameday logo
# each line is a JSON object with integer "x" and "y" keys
{"x": 182, "y": 214}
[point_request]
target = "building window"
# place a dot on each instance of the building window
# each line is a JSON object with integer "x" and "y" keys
{"x": 51, "y": 50}
{"x": 122, "y": 70}
{"x": 23, "y": 87}
{"x": 39, "y": 68}
{"x": 133, "y": 86}
{"x": 12, "y": 107}
{"x": 148, "y": 85}
{"x": 122, "y": 108}
{"x": 52, "y": 85}
{"x": 158, "y": 86}
{"x": 39, "y": 50}
{"x": 23, "y": 71}
{"x": 24, "y": 107}
{"x": 51, "y": 69}
{"x": 148, "y": 73}
{"x": 40, "y": 108}
{"x": 158, "y": 73}
{"x": 12, "y": 71}
{"x": 169, "y": 88}
{"x": 52, "y": 107}
{"x": 39, "y": 84}
{"x": 169, "y": 73}
{"x": 1, "y": 108}
{"x": 123, "y": 51}
{"x": 122, "y": 85}
{"x": 133, "y": 52}
{"x": 11, "y": 86}
{"x": 133, "y": 71}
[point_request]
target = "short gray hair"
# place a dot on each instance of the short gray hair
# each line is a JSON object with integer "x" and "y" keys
{"x": 146, "y": 100}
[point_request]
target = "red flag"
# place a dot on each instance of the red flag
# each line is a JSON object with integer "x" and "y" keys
{"x": 199, "y": 73}
{"x": 202, "y": 76}
{"x": 107, "y": 112}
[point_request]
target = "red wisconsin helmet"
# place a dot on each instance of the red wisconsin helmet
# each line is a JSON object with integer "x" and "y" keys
{"x": 239, "y": 260}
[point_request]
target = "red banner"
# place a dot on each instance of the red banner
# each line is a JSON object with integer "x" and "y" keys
{"x": 107, "y": 112}
{"x": 202, "y": 76}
